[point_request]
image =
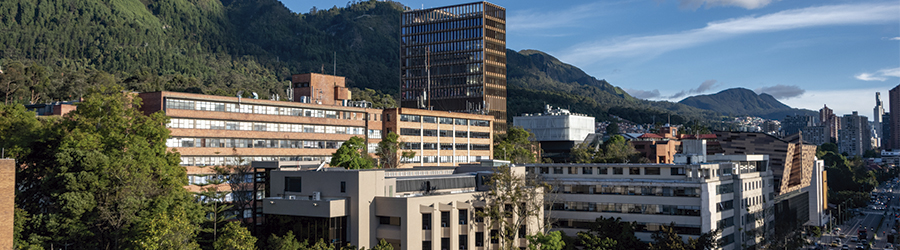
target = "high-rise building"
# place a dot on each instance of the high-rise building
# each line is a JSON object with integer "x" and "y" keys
{"x": 831, "y": 122}
{"x": 855, "y": 134}
{"x": 894, "y": 104}
{"x": 793, "y": 124}
{"x": 877, "y": 118}
{"x": 886, "y": 131}
{"x": 453, "y": 58}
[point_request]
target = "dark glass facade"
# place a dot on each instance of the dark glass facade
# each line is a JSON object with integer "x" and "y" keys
{"x": 454, "y": 59}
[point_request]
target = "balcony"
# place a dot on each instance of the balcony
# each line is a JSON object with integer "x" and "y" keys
{"x": 304, "y": 206}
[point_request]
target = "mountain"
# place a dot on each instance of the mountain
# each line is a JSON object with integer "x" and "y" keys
{"x": 56, "y": 50}
{"x": 741, "y": 102}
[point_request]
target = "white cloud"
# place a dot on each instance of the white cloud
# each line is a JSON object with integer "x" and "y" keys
{"x": 643, "y": 94}
{"x": 780, "y": 91}
{"x": 654, "y": 45}
{"x": 543, "y": 19}
{"x": 843, "y": 101}
{"x": 747, "y": 4}
{"x": 895, "y": 38}
{"x": 880, "y": 75}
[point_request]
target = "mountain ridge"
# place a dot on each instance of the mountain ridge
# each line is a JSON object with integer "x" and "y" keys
{"x": 744, "y": 102}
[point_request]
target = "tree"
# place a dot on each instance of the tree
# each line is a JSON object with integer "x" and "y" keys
{"x": 288, "y": 242}
{"x": 512, "y": 202}
{"x": 235, "y": 237}
{"x": 667, "y": 238}
{"x": 388, "y": 150}
{"x": 168, "y": 232}
{"x": 383, "y": 245}
{"x": 93, "y": 177}
{"x": 612, "y": 128}
{"x": 550, "y": 241}
{"x": 352, "y": 155}
{"x": 620, "y": 235}
{"x": 516, "y": 146}
{"x": 619, "y": 150}
{"x": 213, "y": 202}
{"x": 239, "y": 178}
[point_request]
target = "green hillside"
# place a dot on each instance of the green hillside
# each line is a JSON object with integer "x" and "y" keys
{"x": 55, "y": 50}
{"x": 744, "y": 102}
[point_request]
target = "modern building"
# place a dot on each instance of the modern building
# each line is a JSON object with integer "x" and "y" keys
{"x": 877, "y": 118}
{"x": 7, "y": 202}
{"x": 894, "y": 104}
{"x": 413, "y": 208}
{"x": 440, "y": 138}
{"x": 661, "y": 147}
{"x": 557, "y": 130}
{"x": 699, "y": 193}
{"x": 816, "y": 135}
{"x": 453, "y": 58}
{"x": 793, "y": 124}
{"x": 791, "y": 162}
{"x": 831, "y": 122}
{"x": 886, "y": 132}
{"x": 855, "y": 135}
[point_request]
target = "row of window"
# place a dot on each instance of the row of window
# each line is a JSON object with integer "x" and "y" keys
{"x": 625, "y": 208}
{"x": 726, "y": 222}
{"x": 460, "y": 34}
{"x": 444, "y": 133}
{"x": 458, "y": 13}
{"x": 607, "y": 170}
{"x": 244, "y": 160}
{"x": 443, "y": 159}
{"x": 182, "y": 142}
{"x": 422, "y": 82}
{"x": 261, "y": 109}
{"x": 639, "y": 226}
{"x": 629, "y": 190}
{"x": 444, "y": 146}
{"x": 439, "y": 93}
{"x": 442, "y": 120}
{"x": 725, "y": 188}
{"x": 263, "y": 126}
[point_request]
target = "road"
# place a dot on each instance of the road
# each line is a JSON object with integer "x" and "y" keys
{"x": 870, "y": 219}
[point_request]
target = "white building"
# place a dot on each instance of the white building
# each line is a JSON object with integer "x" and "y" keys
{"x": 557, "y": 129}
{"x": 699, "y": 193}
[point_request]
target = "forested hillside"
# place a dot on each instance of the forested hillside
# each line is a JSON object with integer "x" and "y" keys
{"x": 55, "y": 50}
{"x": 744, "y": 102}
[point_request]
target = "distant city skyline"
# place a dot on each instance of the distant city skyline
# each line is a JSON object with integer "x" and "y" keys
{"x": 805, "y": 53}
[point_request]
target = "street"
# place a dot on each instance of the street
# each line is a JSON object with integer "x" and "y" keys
{"x": 871, "y": 217}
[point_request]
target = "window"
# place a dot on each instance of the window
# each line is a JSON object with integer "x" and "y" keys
{"x": 602, "y": 170}
{"x": 495, "y": 237}
{"x": 634, "y": 171}
{"x": 617, "y": 170}
{"x": 460, "y": 121}
{"x": 426, "y": 221}
{"x": 479, "y": 239}
{"x": 445, "y": 243}
{"x": 292, "y": 184}
{"x": 587, "y": 170}
{"x": 463, "y": 216}
{"x": 343, "y": 187}
{"x": 426, "y": 245}
{"x": 444, "y": 120}
{"x": 677, "y": 171}
{"x": 478, "y": 212}
{"x": 410, "y": 131}
{"x": 522, "y": 231}
{"x": 445, "y": 219}
{"x": 557, "y": 170}
{"x": 429, "y": 119}
{"x": 651, "y": 171}
{"x": 463, "y": 242}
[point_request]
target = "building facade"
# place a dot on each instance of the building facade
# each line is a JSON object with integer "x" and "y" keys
{"x": 453, "y": 58}
{"x": 7, "y": 202}
{"x": 730, "y": 193}
{"x": 877, "y": 119}
{"x": 440, "y": 138}
{"x": 831, "y": 122}
{"x": 419, "y": 208}
{"x": 855, "y": 136}
{"x": 894, "y": 104}
{"x": 558, "y": 130}
{"x": 794, "y": 124}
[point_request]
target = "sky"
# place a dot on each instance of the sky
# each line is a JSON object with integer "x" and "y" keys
{"x": 805, "y": 53}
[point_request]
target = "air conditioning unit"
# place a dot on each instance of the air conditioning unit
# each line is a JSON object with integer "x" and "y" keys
{"x": 316, "y": 196}
{"x": 292, "y": 197}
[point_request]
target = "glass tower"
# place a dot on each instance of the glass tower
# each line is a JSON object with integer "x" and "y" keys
{"x": 453, "y": 58}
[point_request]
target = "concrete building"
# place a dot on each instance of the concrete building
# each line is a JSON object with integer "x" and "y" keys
{"x": 816, "y": 135}
{"x": 699, "y": 193}
{"x": 418, "y": 208}
{"x": 794, "y": 124}
{"x": 453, "y": 58}
{"x": 894, "y": 104}
{"x": 855, "y": 135}
{"x": 7, "y": 202}
{"x": 440, "y": 138}
{"x": 831, "y": 122}
{"x": 558, "y": 130}
{"x": 886, "y": 132}
{"x": 661, "y": 147}
{"x": 877, "y": 119}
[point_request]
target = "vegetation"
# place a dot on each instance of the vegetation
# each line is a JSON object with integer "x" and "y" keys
{"x": 512, "y": 201}
{"x": 744, "y": 102}
{"x": 352, "y": 155}
{"x": 550, "y": 241}
{"x": 614, "y": 150}
{"x": 235, "y": 237}
{"x": 516, "y": 146}
{"x": 388, "y": 151}
{"x": 667, "y": 239}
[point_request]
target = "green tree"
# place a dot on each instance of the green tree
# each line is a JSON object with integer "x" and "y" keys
{"x": 212, "y": 199}
{"x": 513, "y": 202}
{"x": 352, "y": 155}
{"x": 383, "y": 245}
{"x": 619, "y": 150}
{"x": 388, "y": 150}
{"x": 93, "y": 176}
{"x": 235, "y": 237}
{"x": 611, "y": 233}
{"x": 516, "y": 146}
{"x": 612, "y": 128}
{"x": 174, "y": 231}
{"x": 288, "y": 242}
{"x": 667, "y": 238}
{"x": 550, "y": 241}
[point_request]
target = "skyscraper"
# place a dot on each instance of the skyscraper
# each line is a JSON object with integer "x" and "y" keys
{"x": 831, "y": 122}
{"x": 894, "y": 103}
{"x": 855, "y": 134}
{"x": 879, "y": 111}
{"x": 453, "y": 58}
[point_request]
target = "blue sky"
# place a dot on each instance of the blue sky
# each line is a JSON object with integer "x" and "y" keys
{"x": 806, "y": 53}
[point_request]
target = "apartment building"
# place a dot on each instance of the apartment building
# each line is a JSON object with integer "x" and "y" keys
{"x": 699, "y": 193}
{"x": 412, "y": 208}
{"x": 855, "y": 135}
{"x": 453, "y": 58}
{"x": 440, "y": 138}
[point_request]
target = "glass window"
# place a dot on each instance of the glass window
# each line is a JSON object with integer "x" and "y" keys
{"x": 429, "y": 119}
